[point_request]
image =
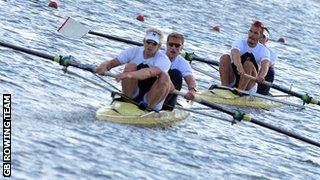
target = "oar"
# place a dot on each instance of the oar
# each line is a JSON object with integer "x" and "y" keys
{"x": 74, "y": 29}
{"x": 304, "y": 97}
{"x": 192, "y": 57}
{"x": 237, "y": 115}
{"x": 62, "y": 60}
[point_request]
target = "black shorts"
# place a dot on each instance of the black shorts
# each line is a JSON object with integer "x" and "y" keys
{"x": 171, "y": 99}
{"x": 245, "y": 57}
{"x": 144, "y": 85}
{"x": 263, "y": 89}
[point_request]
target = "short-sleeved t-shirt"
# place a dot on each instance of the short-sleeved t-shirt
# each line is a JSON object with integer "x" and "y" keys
{"x": 273, "y": 57}
{"x": 260, "y": 52}
{"x": 135, "y": 55}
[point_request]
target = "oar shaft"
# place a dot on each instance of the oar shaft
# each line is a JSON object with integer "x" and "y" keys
{"x": 206, "y": 103}
{"x": 286, "y": 132}
{"x": 286, "y": 90}
{"x": 215, "y": 63}
{"x": 69, "y": 62}
{"x": 28, "y": 51}
{"x": 283, "y": 89}
{"x": 115, "y": 38}
{"x": 305, "y": 97}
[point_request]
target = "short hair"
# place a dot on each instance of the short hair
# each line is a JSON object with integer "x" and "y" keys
{"x": 158, "y": 31}
{"x": 176, "y": 35}
{"x": 258, "y": 24}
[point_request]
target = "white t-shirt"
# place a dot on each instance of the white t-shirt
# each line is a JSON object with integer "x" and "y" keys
{"x": 273, "y": 57}
{"x": 182, "y": 65}
{"x": 260, "y": 52}
{"x": 135, "y": 55}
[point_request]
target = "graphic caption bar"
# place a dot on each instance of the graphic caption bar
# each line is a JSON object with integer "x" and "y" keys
{"x": 6, "y": 135}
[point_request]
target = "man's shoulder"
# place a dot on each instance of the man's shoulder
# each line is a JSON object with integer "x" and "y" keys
{"x": 262, "y": 47}
{"x": 162, "y": 54}
{"x": 180, "y": 58}
{"x": 181, "y": 62}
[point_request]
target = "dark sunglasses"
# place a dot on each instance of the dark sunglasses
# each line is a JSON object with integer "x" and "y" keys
{"x": 174, "y": 44}
{"x": 151, "y": 42}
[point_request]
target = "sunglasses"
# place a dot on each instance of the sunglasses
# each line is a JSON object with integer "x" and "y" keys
{"x": 151, "y": 42}
{"x": 174, "y": 44}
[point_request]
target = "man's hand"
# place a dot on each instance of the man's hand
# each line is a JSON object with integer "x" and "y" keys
{"x": 123, "y": 76}
{"x": 191, "y": 94}
{"x": 102, "y": 69}
{"x": 260, "y": 79}
{"x": 240, "y": 70}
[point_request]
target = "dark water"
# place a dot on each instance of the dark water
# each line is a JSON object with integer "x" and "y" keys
{"x": 55, "y": 134}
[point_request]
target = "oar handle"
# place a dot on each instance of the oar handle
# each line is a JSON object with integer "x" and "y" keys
{"x": 255, "y": 79}
{"x": 108, "y": 73}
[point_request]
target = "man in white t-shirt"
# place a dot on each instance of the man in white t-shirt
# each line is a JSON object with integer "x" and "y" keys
{"x": 247, "y": 56}
{"x": 264, "y": 89}
{"x": 180, "y": 69}
{"x": 145, "y": 77}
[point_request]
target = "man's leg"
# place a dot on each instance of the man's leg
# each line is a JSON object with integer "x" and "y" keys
{"x": 225, "y": 70}
{"x": 245, "y": 83}
{"x": 264, "y": 89}
{"x": 159, "y": 90}
{"x": 129, "y": 85}
{"x": 171, "y": 99}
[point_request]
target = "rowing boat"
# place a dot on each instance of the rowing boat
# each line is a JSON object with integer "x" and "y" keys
{"x": 224, "y": 95}
{"x": 128, "y": 113}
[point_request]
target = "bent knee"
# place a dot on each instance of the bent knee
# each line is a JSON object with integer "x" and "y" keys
{"x": 248, "y": 65}
{"x": 164, "y": 79}
{"x": 225, "y": 58}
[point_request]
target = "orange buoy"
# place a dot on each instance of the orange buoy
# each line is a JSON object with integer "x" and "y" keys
{"x": 53, "y": 4}
{"x": 216, "y": 27}
{"x": 140, "y": 18}
{"x": 281, "y": 39}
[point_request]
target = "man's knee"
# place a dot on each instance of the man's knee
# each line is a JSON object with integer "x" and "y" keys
{"x": 164, "y": 79}
{"x": 248, "y": 65}
{"x": 225, "y": 59}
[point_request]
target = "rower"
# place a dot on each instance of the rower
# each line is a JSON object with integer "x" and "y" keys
{"x": 180, "y": 69}
{"x": 145, "y": 78}
{"x": 247, "y": 56}
{"x": 262, "y": 88}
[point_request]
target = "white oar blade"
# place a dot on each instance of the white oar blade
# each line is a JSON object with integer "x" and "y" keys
{"x": 73, "y": 29}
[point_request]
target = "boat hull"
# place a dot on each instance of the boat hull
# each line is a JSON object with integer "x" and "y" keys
{"x": 128, "y": 113}
{"x": 225, "y": 96}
